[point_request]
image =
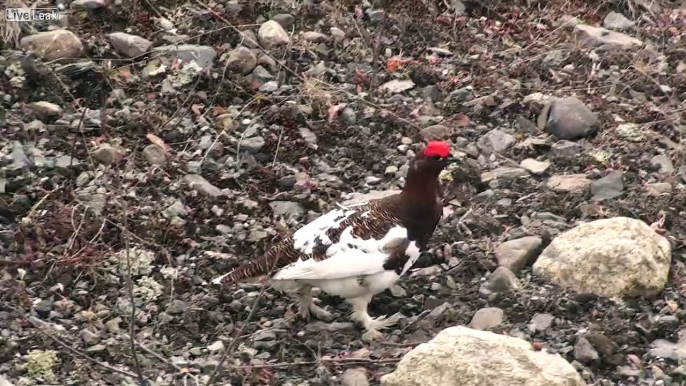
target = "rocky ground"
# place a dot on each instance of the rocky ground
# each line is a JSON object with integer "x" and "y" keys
{"x": 124, "y": 155}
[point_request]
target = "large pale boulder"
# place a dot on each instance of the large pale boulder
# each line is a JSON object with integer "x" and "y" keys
{"x": 461, "y": 356}
{"x": 618, "y": 256}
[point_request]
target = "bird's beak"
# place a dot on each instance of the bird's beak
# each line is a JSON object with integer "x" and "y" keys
{"x": 451, "y": 159}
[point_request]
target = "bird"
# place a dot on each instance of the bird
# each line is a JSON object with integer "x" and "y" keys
{"x": 357, "y": 251}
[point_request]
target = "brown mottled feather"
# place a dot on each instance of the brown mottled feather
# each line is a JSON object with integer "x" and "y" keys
{"x": 383, "y": 214}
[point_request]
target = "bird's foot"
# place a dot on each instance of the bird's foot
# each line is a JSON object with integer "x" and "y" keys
{"x": 320, "y": 313}
{"x": 308, "y": 307}
{"x": 371, "y": 335}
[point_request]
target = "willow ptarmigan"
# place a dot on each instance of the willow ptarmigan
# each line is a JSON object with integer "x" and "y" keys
{"x": 357, "y": 252}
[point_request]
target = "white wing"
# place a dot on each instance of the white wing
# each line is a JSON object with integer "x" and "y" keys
{"x": 352, "y": 257}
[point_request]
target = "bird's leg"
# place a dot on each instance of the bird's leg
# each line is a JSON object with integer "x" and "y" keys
{"x": 306, "y": 305}
{"x": 372, "y": 325}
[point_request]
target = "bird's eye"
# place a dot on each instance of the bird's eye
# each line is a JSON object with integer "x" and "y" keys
{"x": 437, "y": 157}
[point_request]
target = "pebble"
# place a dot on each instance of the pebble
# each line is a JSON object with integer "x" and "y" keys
{"x": 535, "y": 167}
{"x": 608, "y": 187}
{"x": 154, "y": 154}
{"x": 501, "y": 280}
{"x": 107, "y": 155}
{"x": 584, "y": 351}
{"x": 495, "y": 141}
{"x": 89, "y": 337}
{"x": 487, "y": 318}
{"x": 540, "y": 322}
{"x": 253, "y": 145}
{"x": 515, "y": 254}
{"x": 177, "y": 306}
{"x": 570, "y": 119}
{"x": 354, "y": 377}
{"x": 200, "y": 184}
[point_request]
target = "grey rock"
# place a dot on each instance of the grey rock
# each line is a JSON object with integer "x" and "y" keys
{"x": 242, "y": 60}
{"x": 87, "y": 5}
{"x": 286, "y": 20}
{"x": 435, "y": 132}
{"x": 315, "y": 37}
{"x": 617, "y": 21}
{"x": 249, "y": 39}
{"x": 264, "y": 335}
{"x": 177, "y": 307}
{"x": 253, "y": 145}
{"x": 19, "y": 158}
{"x": 534, "y": 166}
{"x": 308, "y": 135}
{"x": 271, "y": 34}
{"x": 337, "y": 33}
{"x": 89, "y": 337}
{"x": 376, "y": 16}
{"x": 269, "y": 87}
{"x": 348, "y": 115}
{"x": 570, "y": 119}
{"x": 608, "y": 187}
{"x": 486, "y": 318}
{"x": 584, "y": 352}
{"x": 501, "y": 280}
{"x": 662, "y": 163}
{"x": 128, "y": 45}
{"x": 566, "y": 149}
{"x": 281, "y": 208}
{"x": 354, "y": 377}
{"x": 65, "y": 161}
{"x": 262, "y": 75}
{"x": 53, "y": 45}
{"x": 107, "y": 155}
{"x": 659, "y": 188}
{"x": 495, "y": 141}
{"x": 320, "y": 326}
{"x": 199, "y": 183}
{"x": 176, "y": 209}
{"x": 540, "y": 322}
{"x": 43, "y": 308}
{"x": 515, "y": 254}
{"x": 665, "y": 349}
{"x": 396, "y": 86}
{"x": 202, "y": 55}
{"x": 570, "y": 183}
{"x": 154, "y": 154}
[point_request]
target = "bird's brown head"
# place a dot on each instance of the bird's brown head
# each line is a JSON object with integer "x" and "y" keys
{"x": 433, "y": 159}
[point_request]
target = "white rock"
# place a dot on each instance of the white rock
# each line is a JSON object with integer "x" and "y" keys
{"x": 617, "y": 21}
{"x": 129, "y": 45}
{"x": 596, "y": 36}
{"x": 534, "y": 167}
{"x": 575, "y": 183}
{"x": 271, "y": 34}
{"x": 618, "y": 256}
{"x": 467, "y": 357}
{"x": 53, "y": 45}
{"x": 397, "y": 86}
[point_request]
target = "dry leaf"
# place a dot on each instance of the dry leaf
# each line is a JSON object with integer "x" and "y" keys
{"x": 158, "y": 141}
{"x": 197, "y": 109}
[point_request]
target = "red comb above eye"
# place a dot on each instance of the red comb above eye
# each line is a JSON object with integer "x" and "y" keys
{"x": 437, "y": 148}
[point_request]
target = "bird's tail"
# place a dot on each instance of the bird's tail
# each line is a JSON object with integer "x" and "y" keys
{"x": 263, "y": 265}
